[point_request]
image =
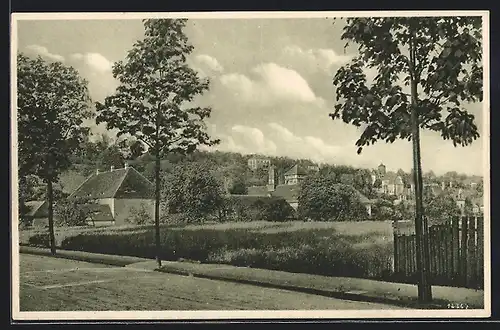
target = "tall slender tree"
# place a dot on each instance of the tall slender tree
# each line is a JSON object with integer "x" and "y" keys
{"x": 154, "y": 99}
{"x": 439, "y": 59}
{"x": 52, "y": 104}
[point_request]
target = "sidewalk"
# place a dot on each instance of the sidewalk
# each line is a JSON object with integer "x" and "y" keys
{"x": 404, "y": 295}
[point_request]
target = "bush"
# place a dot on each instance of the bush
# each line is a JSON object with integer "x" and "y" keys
{"x": 322, "y": 199}
{"x": 139, "y": 216}
{"x": 310, "y": 251}
{"x": 71, "y": 212}
{"x": 192, "y": 189}
{"x": 254, "y": 208}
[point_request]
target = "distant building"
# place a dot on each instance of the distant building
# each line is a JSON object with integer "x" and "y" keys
{"x": 258, "y": 162}
{"x": 295, "y": 175}
{"x": 313, "y": 168}
{"x": 115, "y": 195}
{"x": 37, "y": 213}
{"x": 290, "y": 189}
{"x": 390, "y": 182}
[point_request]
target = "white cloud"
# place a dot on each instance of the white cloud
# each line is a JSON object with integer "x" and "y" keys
{"x": 209, "y": 62}
{"x": 270, "y": 83}
{"x": 251, "y": 138}
{"x": 310, "y": 147}
{"x": 95, "y": 61}
{"x": 279, "y": 141}
{"x": 320, "y": 59}
{"x": 44, "y": 52}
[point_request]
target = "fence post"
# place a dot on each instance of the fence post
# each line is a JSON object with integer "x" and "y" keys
{"x": 471, "y": 252}
{"x": 448, "y": 241}
{"x": 396, "y": 249}
{"x": 455, "y": 246}
{"x": 432, "y": 254}
{"x": 480, "y": 252}
{"x": 463, "y": 251}
{"x": 407, "y": 254}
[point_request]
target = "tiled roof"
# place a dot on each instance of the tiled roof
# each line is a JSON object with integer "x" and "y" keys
{"x": 296, "y": 170}
{"x": 257, "y": 191}
{"x": 124, "y": 181}
{"x": 36, "y": 209}
{"x": 389, "y": 176}
{"x": 99, "y": 212}
{"x": 70, "y": 180}
{"x": 290, "y": 192}
{"x": 363, "y": 198}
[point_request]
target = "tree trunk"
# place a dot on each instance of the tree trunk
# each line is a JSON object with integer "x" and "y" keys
{"x": 50, "y": 201}
{"x": 424, "y": 288}
{"x": 157, "y": 210}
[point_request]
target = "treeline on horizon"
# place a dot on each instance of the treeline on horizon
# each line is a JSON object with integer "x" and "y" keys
{"x": 104, "y": 153}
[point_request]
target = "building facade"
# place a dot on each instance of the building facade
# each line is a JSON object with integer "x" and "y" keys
{"x": 116, "y": 195}
{"x": 255, "y": 163}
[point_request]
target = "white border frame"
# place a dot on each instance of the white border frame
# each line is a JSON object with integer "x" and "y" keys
{"x": 226, "y": 315}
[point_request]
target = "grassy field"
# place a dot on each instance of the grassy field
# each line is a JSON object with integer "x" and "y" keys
{"x": 353, "y": 249}
{"x": 51, "y": 284}
{"x": 382, "y": 229}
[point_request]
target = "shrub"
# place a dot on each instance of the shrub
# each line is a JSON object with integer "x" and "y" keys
{"x": 71, "y": 212}
{"x": 192, "y": 189}
{"x": 139, "y": 216}
{"x": 253, "y": 208}
{"x": 309, "y": 251}
{"x": 321, "y": 199}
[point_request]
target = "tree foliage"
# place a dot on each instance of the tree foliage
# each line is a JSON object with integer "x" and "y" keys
{"x": 154, "y": 101}
{"x": 192, "y": 190}
{"x": 321, "y": 198}
{"x": 71, "y": 212}
{"x": 238, "y": 187}
{"x": 52, "y": 104}
{"x": 440, "y": 207}
{"x": 155, "y": 85}
{"x": 136, "y": 149}
{"x": 446, "y": 67}
{"x": 111, "y": 156}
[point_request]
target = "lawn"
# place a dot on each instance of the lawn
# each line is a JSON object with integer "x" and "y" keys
{"x": 354, "y": 249}
{"x": 51, "y": 284}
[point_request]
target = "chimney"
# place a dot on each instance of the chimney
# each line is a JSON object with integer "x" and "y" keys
{"x": 112, "y": 168}
{"x": 97, "y": 171}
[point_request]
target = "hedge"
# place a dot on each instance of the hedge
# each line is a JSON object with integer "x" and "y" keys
{"x": 319, "y": 252}
{"x": 252, "y": 208}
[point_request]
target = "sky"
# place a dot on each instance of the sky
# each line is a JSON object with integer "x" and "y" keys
{"x": 270, "y": 86}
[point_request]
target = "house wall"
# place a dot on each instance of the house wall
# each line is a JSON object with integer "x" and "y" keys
{"x": 293, "y": 179}
{"x": 399, "y": 189}
{"x": 368, "y": 209}
{"x": 108, "y": 201}
{"x": 124, "y": 209}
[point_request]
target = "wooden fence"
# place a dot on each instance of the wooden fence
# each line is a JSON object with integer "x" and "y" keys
{"x": 456, "y": 253}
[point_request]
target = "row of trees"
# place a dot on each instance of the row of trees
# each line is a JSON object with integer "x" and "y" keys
{"x": 152, "y": 104}
{"x": 438, "y": 58}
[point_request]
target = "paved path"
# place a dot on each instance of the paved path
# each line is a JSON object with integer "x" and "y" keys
{"x": 55, "y": 284}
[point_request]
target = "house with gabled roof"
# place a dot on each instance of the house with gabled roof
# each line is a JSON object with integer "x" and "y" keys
{"x": 290, "y": 190}
{"x": 115, "y": 195}
{"x": 390, "y": 183}
{"x": 37, "y": 213}
{"x": 294, "y": 175}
